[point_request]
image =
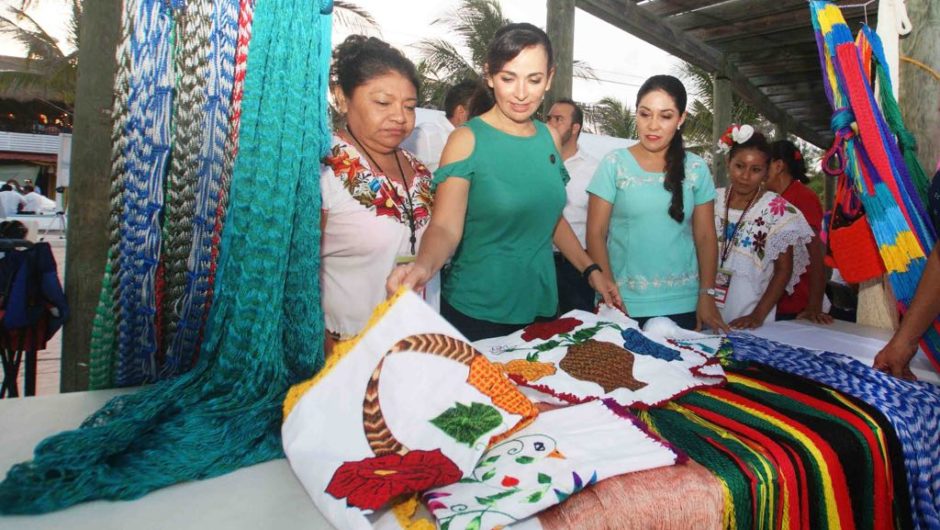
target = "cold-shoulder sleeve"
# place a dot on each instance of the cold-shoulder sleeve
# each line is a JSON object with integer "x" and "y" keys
{"x": 464, "y": 169}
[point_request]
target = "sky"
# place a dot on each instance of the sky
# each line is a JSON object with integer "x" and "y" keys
{"x": 621, "y": 61}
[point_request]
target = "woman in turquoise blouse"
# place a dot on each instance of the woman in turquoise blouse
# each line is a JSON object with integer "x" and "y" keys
{"x": 498, "y": 202}
{"x": 650, "y": 216}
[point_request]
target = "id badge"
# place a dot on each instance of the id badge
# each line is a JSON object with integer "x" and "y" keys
{"x": 722, "y": 286}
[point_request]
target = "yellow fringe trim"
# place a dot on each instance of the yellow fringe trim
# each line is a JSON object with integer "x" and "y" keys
{"x": 405, "y": 510}
{"x": 340, "y": 350}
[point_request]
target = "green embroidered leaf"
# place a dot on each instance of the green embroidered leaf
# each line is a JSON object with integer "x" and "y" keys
{"x": 489, "y": 461}
{"x": 525, "y": 460}
{"x": 490, "y": 500}
{"x": 587, "y": 333}
{"x": 467, "y": 424}
{"x": 532, "y": 357}
{"x": 468, "y": 480}
{"x": 488, "y": 475}
{"x": 547, "y": 345}
{"x": 544, "y": 479}
{"x": 445, "y": 525}
{"x": 535, "y": 497}
{"x": 475, "y": 523}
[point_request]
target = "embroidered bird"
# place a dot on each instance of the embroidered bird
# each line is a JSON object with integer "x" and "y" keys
{"x": 604, "y": 363}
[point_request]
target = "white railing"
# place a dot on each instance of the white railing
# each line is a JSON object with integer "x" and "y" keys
{"x": 29, "y": 143}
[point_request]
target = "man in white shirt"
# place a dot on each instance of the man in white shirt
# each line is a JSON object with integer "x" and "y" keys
{"x": 35, "y": 202}
{"x": 567, "y": 118}
{"x": 428, "y": 139}
{"x": 10, "y": 200}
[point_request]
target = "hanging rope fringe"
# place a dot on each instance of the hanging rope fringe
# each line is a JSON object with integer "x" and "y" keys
{"x": 874, "y": 163}
{"x": 263, "y": 330}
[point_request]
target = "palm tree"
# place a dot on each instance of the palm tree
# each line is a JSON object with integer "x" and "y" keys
{"x": 473, "y": 24}
{"x": 612, "y": 117}
{"x": 351, "y": 16}
{"x": 49, "y": 72}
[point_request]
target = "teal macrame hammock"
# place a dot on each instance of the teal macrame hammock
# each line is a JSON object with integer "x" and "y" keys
{"x": 264, "y": 328}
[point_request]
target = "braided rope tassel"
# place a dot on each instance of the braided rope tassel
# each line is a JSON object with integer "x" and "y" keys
{"x": 103, "y": 339}
{"x": 192, "y": 64}
{"x": 245, "y": 16}
{"x": 148, "y": 135}
{"x": 215, "y": 127}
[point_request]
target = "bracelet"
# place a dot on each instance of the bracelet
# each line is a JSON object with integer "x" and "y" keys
{"x": 708, "y": 290}
{"x": 586, "y": 273}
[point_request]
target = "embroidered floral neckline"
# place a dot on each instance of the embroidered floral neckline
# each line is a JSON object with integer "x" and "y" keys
{"x": 385, "y": 196}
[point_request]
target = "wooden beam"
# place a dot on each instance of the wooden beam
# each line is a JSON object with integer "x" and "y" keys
{"x": 668, "y": 8}
{"x": 736, "y": 11}
{"x": 722, "y": 112}
{"x": 87, "y": 235}
{"x": 919, "y": 91}
{"x": 560, "y": 29}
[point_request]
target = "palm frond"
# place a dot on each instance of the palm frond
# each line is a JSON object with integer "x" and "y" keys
{"x": 475, "y": 23}
{"x": 612, "y": 117}
{"x": 443, "y": 60}
{"x": 583, "y": 70}
{"x": 354, "y": 18}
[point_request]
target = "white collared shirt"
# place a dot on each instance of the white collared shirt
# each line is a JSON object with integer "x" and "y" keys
{"x": 580, "y": 168}
{"x": 427, "y": 141}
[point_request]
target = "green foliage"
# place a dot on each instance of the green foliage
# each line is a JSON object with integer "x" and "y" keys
{"x": 467, "y": 424}
{"x": 612, "y": 117}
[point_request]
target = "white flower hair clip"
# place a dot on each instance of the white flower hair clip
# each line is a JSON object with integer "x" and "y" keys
{"x": 735, "y": 134}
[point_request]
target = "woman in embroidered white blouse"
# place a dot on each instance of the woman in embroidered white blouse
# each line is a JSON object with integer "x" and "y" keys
{"x": 376, "y": 196}
{"x": 762, "y": 238}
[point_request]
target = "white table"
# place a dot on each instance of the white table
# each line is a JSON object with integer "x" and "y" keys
{"x": 259, "y": 497}
{"x": 268, "y": 495}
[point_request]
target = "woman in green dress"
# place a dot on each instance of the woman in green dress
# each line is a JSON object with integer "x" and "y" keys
{"x": 500, "y": 191}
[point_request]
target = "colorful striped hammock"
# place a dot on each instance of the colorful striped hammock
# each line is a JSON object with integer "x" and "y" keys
{"x": 874, "y": 163}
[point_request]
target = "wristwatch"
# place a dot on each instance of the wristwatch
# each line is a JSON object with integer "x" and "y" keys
{"x": 708, "y": 290}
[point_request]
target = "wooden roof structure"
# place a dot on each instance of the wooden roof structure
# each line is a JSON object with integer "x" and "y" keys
{"x": 765, "y": 48}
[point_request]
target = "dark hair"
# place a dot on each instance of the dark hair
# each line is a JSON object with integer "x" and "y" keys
{"x": 790, "y": 154}
{"x": 459, "y": 94}
{"x": 28, "y": 188}
{"x": 577, "y": 115}
{"x": 13, "y": 230}
{"x": 510, "y": 40}
{"x": 6, "y": 187}
{"x": 359, "y": 59}
{"x": 480, "y": 101}
{"x": 757, "y": 141}
{"x": 675, "y": 153}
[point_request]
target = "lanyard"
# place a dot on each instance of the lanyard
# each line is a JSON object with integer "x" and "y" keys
{"x": 728, "y": 242}
{"x": 411, "y": 208}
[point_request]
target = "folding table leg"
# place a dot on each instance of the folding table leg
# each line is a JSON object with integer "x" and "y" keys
{"x": 30, "y": 374}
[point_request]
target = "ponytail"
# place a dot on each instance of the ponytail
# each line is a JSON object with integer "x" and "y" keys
{"x": 675, "y": 175}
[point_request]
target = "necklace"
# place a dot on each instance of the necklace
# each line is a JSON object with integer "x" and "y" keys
{"x": 729, "y": 241}
{"x": 404, "y": 182}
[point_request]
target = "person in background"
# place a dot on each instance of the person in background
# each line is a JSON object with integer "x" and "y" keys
{"x": 762, "y": 239}
{"x": 376, "y": 196}
{"x": 15, "y": 184}
{"x": 787, "y": 178}
{"x": 428, "y": 139}
{"x": 11, "y": 202}
{"x": 651, "y": 217}
{"x": 29, "y": 182}
{"x": 36, "y": 203}
{"x": 567, "y": 118}
{"x": 500, "y": 192}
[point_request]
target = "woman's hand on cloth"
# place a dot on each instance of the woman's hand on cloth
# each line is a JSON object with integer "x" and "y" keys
{"x": 607, "y": 288}
{"x": 751, "y": 321}
{"x": 411, "y": 275}
{"x": 815, "y": 314}
{"x": 895, "y": 359}
{"x": 708, "y": 316}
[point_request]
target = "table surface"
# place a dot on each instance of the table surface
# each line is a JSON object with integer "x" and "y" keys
{"x": 268, "y": 495}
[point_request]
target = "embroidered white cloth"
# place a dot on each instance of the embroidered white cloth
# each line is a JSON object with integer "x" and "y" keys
{"x": 561, "y": 453}
{"x": 584, "y": 356}
{"x": 771, "y": 226}
{"x": 409, "y": 407}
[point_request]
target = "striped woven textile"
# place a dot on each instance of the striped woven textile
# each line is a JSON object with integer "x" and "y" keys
{"x": 790, "y": 453}
{"x": 912, "y": 408}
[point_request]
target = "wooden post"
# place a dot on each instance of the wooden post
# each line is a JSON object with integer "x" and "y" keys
{"x": 721, "y": 120}
{"x": 920, "y": 91}
{"x": 560, "y": 29}
{"x": 87, "y": 236}
{"x": 780, "y": 131}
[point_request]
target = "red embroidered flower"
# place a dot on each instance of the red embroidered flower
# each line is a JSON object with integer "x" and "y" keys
{"x": 760, "y": 241}
{"x": 509, "y": 482}
{"x": 778, "y": 206}
{"x": 385, "y": 204}
{"x": 341, "y": 163}
{"x": 370, "y": 483}
{"x": 547, "y": 330}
